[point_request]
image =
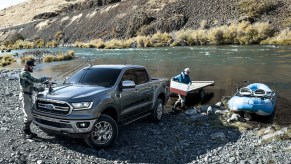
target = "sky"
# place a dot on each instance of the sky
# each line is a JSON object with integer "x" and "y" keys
{"x": 7, "y": 3}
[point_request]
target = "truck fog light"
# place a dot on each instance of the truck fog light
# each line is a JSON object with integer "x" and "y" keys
{"x": 83, "y": 124}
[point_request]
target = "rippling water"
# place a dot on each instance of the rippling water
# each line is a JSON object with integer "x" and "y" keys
{"x": 229, "y": 66}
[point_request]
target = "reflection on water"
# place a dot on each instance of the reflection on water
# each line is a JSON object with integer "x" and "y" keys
{"x": 229, "y": 66}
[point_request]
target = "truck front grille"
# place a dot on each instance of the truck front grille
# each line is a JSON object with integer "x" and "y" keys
{"x": 52, "y": 107}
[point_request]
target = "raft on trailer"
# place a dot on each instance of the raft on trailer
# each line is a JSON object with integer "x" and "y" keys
{"x": 184, "y": 89}
{"x": 255, "y": 98}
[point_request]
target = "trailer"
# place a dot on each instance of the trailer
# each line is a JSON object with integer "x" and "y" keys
{"x": 185, "y": 89}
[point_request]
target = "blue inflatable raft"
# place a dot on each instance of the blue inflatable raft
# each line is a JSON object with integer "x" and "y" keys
{"x": 255, "y": 98}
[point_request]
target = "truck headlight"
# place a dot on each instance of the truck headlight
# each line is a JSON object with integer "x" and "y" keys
{"x": 82, "y": 105}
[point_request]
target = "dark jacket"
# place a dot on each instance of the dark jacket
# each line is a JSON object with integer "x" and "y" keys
{"x": 27, "y": 82}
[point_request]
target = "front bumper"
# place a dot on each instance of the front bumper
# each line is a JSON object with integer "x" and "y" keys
{"x": 62, "y": 125}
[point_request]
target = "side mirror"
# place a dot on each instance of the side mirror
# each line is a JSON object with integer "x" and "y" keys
{"x": 127, "y": 84}
{"x": 65, "y": 80}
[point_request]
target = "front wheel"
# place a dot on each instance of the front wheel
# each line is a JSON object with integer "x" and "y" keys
{"x": 103, "y": 133}
{"x": 157, "y": 112}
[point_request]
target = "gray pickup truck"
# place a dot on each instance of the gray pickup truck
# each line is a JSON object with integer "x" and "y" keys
{"x": 96, "y": 99}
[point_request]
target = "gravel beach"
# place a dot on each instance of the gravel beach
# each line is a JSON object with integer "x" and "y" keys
{"x": 178, "y": 138}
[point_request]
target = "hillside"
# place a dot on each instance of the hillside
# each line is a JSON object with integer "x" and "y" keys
{"x": 80, "y": 20}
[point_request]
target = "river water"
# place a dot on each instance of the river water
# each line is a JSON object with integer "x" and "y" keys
{"x": 231, "y": 67}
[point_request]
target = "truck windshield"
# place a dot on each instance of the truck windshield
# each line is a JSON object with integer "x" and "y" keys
{"x": 95, "y": 76}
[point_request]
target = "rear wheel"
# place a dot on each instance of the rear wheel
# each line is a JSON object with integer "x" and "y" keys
{"x": 157, "y": 112}
{"x": 103, "y": 133}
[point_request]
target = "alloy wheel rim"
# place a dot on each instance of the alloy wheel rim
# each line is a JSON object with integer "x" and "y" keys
{"x": 102, "y": 132}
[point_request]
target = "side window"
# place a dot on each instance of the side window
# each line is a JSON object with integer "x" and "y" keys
{"x": 128, "y": 75}
{"x": 141, "y": 77}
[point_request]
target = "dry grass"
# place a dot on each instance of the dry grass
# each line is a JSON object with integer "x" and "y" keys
{"x": 59, "y": 36}
{"x": 203, "y": 24}
{"x": 25, "y": 58}
{"x": 161, "y": 39}
{"x": 59, "y": 57}
{"x": 282, "y": 38}
{"x": 243, "y": 33}
{"x": 241, "y": 126}
{"x": 52, "y": 44}
{"x": 143, "y": 41}
{"x": 20, "y": 44}
{"x": 184, "y": 36}
{"x": 49, "y": 58}
{"x": 255, "y": 8}
{"x": 215, "y": 36}
{"x": 6, "y": 60}
{"x": 39, "y": 43}
{"x": 113, "y": 44}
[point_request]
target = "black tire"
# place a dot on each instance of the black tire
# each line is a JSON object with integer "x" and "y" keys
{"x": 158, "y": 110}
{"x": 103, "y": 133}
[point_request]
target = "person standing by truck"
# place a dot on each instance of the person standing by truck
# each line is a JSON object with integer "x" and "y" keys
{"x": 27, "y": 87}
{"x": 183, "y": 77}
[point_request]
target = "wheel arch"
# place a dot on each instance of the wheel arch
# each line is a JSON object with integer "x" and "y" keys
{"x": 110, "y": 111}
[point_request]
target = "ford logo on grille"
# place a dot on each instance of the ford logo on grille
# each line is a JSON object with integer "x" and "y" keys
{"x": 49, "y": 106}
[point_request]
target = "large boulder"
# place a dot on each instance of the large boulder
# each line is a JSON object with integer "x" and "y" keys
{"x": 13, "y": 37}
{"x": 45, "y": 15}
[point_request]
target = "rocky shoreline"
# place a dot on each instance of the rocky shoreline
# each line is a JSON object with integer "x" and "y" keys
{"x": 202, "y": 135}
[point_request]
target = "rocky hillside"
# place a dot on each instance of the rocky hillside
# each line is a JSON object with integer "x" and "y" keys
{"x": 80, "y": 20}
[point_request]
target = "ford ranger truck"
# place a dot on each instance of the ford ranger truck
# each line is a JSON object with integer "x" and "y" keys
{"x": 95, "y": 100}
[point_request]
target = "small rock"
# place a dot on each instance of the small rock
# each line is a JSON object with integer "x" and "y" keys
{"x": 231, "y": 160}
{"x": 218, "y": 136}
{"x": 234, "y": 117}
{"x": 204, "y": 108}
{"x": 39, "y": 162}
{"x": 191, "y": 111}
{"x": 209, "y": 110}
{"x": 218, "y": 104}
{"x": 197, "y": 116}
